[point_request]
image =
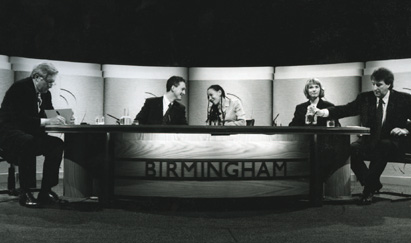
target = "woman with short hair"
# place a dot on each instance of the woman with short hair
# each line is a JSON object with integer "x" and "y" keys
{"x": 304, "y": 115}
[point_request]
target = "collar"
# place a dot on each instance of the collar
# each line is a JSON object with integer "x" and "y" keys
{"x": 35, "y": 87}
{"x": 225, "y": 103}
{"x": 386, "y": 97}
{"x": 166, "y": 101}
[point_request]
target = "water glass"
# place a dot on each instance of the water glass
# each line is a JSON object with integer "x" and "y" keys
{"x": 330, "y": 123}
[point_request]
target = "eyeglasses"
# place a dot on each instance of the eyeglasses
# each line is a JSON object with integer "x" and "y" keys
{"x": 49, "y": 83}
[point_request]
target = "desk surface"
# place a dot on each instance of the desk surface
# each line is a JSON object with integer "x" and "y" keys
{"x": 223, "y": 130}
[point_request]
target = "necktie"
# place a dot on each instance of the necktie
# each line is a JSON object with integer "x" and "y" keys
{"x": 378, "y": 118}
{"x": 166, "y": 117}
{"x": 39, "y": 101}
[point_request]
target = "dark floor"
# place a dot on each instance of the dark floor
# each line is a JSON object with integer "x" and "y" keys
{"x": 236, "y": 220}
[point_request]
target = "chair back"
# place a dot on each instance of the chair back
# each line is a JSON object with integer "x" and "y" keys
{"x": 250, "y": 122}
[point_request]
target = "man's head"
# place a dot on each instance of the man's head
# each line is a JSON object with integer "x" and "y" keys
{"x": 44, "y": 76}
{"x": 382, "y": 80}
{"x": 176, "y": 87}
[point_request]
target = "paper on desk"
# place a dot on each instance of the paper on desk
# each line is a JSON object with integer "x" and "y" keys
{"x": 66, "y": 113}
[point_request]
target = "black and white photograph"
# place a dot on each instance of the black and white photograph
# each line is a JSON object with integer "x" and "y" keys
{"x": 205, "y": 121}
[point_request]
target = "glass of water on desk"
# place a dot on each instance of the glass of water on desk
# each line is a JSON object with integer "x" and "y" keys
{"x": 125, "y": 120}
{"x": 99, "y": 120}
{"x": 330, "y": 123}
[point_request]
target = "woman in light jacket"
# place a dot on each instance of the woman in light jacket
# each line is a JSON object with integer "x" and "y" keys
{"x": 223, "y": 111}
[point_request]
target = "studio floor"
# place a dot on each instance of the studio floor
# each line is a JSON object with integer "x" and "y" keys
{"x": 235, "y": 220}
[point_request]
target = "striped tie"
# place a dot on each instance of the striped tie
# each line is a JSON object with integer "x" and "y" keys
{"x": 39, "y": 101}
{"x": 378, "y": 122}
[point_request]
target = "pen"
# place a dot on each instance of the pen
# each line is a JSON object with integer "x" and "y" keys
{"x": 58, "y": 113}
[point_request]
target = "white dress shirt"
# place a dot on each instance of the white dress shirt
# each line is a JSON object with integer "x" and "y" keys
{"x": 166, "y": 102}
{"x": 385, "y": 100}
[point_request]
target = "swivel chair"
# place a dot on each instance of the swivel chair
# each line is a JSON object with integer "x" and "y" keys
{"x": 250, "y": 122}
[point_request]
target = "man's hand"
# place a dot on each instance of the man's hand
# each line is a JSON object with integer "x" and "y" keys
{"x": 58, "y": 120}
{"x": 312, "y": 109}
{"x": 72, "y": 120}
{"x": 320, "y": 113}
{"x": 399, "y": 132}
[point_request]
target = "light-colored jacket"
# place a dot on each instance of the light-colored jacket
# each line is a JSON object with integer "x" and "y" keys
{"x": 234, "y": 112}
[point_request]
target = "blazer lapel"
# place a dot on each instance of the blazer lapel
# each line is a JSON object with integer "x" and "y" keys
{"x": 33, "y": 96}
{"x": 225, "y": 105}
{"x": 159, "y": 107}
{"x": 390, "y": 107}
{"x": 373, "y": 107}
{"x": 320, "y": 104}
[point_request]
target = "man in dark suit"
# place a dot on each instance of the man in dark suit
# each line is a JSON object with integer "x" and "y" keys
{"x": 22, "y": 134}
{"x": 165, "y": 110}
{"x": 385, "y": 111}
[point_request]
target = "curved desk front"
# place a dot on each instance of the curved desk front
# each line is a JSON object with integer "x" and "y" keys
{"x": 116, "y": 161}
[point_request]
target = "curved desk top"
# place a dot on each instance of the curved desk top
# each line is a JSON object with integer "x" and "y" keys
{"x": 217, "y": 130}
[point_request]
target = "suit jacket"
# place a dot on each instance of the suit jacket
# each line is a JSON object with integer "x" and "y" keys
{"x": 19, "y": 113}
{"x": 397, "y": 113}
{"x": 301, "y": 110}
{"x": 365, "y": 105}
{"x": 19, "y": 109}
{"x": 152, "y": 113}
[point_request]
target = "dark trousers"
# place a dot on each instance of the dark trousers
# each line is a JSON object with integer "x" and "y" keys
{"x": 378, "y": 155}
{"x": 25, "y": 147}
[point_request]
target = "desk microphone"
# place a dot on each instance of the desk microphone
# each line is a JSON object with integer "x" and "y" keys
{"x": 275, "y": 120}
{"x": 82, "y": 120}
{"x": 113, "y": 117}
{"x": 117, "y": 119}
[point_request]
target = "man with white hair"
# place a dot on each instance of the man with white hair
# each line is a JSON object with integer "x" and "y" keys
{"x": 23, "y": 137}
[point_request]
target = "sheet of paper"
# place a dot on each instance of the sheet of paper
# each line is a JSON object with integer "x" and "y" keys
{"x": 66, "y": 113}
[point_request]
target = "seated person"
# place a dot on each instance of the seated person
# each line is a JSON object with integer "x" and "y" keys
{"x": 386, "y": 112}
{"x": 223, "y": 111}
{"x": 165, "y": 110}
{"x": 22, "y": 134}
{"x": 314, "y": 92}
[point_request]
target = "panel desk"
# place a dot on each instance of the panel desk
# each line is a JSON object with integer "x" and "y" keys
{"x": 123, "y": 161}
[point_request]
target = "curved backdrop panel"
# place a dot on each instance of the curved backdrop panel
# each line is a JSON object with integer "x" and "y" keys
{"x": 340, "y": 81}
{"x": 78, "y": 86}
{"x": 401, "y": 69}
{"x": 252, "y": 85}
{"x": 127, "y": 87}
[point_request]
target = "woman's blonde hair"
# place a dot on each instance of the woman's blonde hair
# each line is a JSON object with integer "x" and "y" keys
{"x": 310, "y": 82}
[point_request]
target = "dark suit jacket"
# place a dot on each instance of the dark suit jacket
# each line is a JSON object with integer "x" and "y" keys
{"x": 152, "y": 113}
{"x": 19, "y": 111}
{"x": 301, "y": 110}
{"x": 365, "y": 105}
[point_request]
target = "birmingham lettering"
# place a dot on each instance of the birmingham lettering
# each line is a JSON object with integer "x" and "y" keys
{"x": 207, "y": 169}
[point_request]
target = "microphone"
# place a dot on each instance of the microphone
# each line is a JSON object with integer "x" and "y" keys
{"x": 117, "y": 119}
{"x": 275, "y": 120}
{"x": 82, "y": 120}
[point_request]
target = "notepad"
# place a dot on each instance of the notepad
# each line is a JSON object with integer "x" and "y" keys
{"x": 66, "y": 113}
